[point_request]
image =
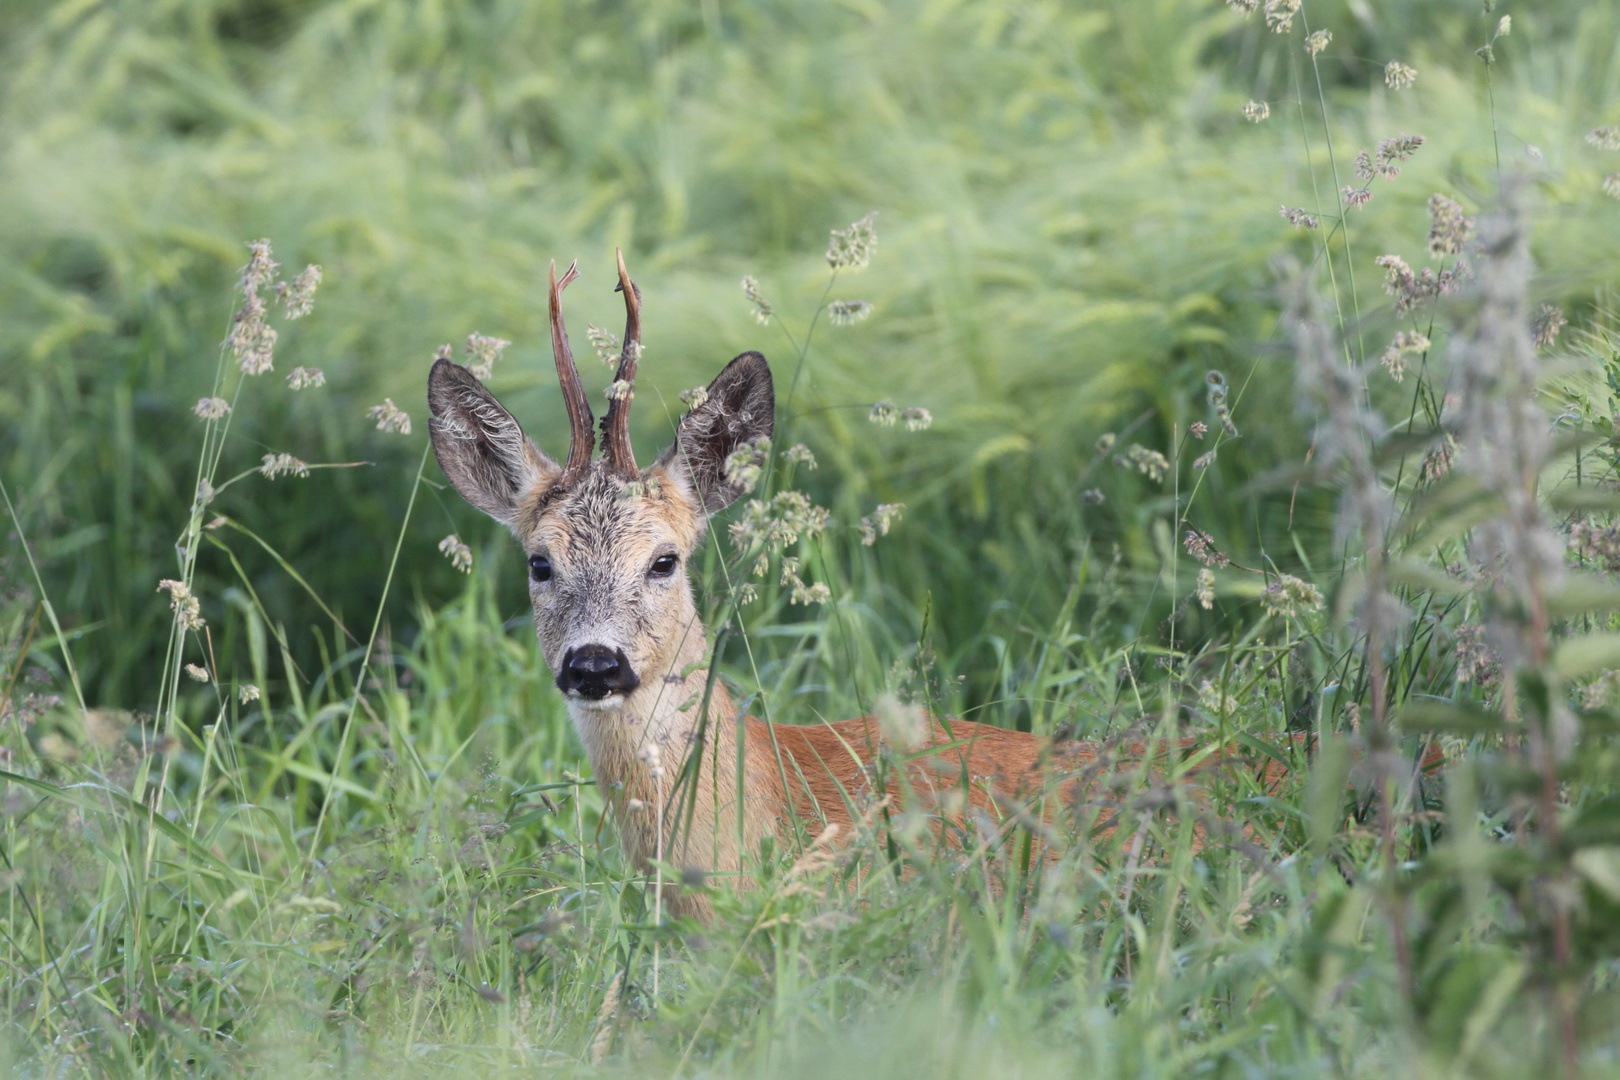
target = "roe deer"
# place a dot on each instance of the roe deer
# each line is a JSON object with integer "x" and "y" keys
{"x": 616, "y": 621}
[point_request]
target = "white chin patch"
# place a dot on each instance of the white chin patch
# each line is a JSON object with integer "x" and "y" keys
{"x": 612, "y": 703}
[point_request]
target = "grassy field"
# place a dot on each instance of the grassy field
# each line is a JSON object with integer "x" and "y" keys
{"x": 365, "y": 841}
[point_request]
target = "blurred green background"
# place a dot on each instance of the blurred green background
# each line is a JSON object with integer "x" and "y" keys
{"x": 1075, "y": 223}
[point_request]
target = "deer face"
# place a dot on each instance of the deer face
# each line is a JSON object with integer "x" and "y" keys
{"x": 606, "y": 543}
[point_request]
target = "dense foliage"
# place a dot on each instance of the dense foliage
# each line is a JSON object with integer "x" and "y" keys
{"x": 1168, "y": 487}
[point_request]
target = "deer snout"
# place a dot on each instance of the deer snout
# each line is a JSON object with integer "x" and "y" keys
{"x": 595, "y": 671}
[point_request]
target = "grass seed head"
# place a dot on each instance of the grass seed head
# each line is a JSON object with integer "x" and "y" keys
{"x": 1398, "y": 76}
{"x": 1545, "y": 327}
{"x": 211, "y": 408}
{"x": 302, "y": 378}
{"x": 1256, "y": 111}
{"x": 1318, "y": 40}
{"x": 390, "y": 417}
{"x": 459, "y": 554}
{"x": 849, "y": 312}
{"x": 282, "y": 465}
{"x": 851, "y": 249}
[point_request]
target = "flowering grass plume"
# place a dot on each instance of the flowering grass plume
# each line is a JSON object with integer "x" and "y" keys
{"x": 762, "y": 307}
{"x": 848, "y": 312}
{"x": 1398, "y": 76}
{"x": 851, "y": 249}
{"x": 1280, "y": 15}
{"x": 1406, "y": 343}
{"x": 390, "y": 417}
{"x": 1256, "y": 111}
{"x": 879, "y": 521}
{"x": 1287, "y": 595}
{"x": 1317, "y": 41}
{"x": 1547, "y": 324}
{"x": 459, "y": 554}
{"x": 303, "y": 378}
{"x": 484, "y": 352}
{"x": 282, "y": 465}
{"x": 187, "y": 609}
{"x": 1298, "y": 218}
{"x": 211, "y": 408}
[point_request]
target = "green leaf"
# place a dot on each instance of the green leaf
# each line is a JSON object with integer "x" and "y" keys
{"x": 1586, "y": 654}
{"x": 1437, "y": 715}
{"x": 1600, "y": 866}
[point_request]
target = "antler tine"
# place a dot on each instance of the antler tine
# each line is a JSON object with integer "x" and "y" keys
{"x": 582, "y": 439}
{"x": 616, "y": 425}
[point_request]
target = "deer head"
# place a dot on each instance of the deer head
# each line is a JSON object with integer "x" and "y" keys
{"x": 607, "y": 542}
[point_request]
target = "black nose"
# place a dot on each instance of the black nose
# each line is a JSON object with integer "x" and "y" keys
{"x": 595, "y": 671}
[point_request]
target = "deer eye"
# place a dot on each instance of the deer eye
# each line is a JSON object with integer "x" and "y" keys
{"x": 663, "y": 566}
{"x": 539, "y": 568}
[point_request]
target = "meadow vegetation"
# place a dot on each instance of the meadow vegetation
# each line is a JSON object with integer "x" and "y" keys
{"x": 1108, "y": 449}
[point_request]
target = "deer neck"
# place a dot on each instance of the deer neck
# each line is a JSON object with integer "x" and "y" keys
{"x": 663, "y": 712}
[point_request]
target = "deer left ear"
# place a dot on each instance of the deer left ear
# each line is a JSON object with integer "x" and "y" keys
{"x": 740, "y": 409}
{"x": 480, "y": 447}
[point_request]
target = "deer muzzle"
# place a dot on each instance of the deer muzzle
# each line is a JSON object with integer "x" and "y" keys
{"x": 595, "y": 671}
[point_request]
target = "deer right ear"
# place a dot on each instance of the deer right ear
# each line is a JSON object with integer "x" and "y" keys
{"x": 480, "y": 447}
{"x": 740, "y": 409}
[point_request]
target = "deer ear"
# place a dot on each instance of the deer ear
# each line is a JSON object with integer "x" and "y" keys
{"x": 740, "y": 409}
{"x": 480, "y": 446}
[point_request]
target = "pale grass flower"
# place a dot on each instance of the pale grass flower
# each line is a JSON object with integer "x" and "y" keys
{"x": 879, "y": 522}
{"x": 1298, "y": 218}
{"x": 1280, "y": 15}
{"x": 1149, "y": 463}
{"x": 1198, "y": 429}
{"x": 1407, "y": 342}
{"x": 282, "y": 465}
{"x": 1606, "y": 137}
{"x": 780, "y": 522}
{"x": 605, "y": 342}
{"x": 799, "y": 454}
{"x": 851, "y": 249}
{"x": 1317, "y": 41}
{"x": 916, "y": 418}
{"x": 187, "y": 609}
{"x": 762, "y": 307}
{"x": 1398, "y": 76}
{"x": 1449, "y": 226}
{"x": 1201, "y": 546}
{"x": 1256, "y": 111}
{"x": 211, "y": 408}
{"x": 1544, "y": 328}
{"x": 620, "y": 390}
{"x": 247, "y": 692}
{"x": 197, "y": 674}
{"x": 299, "y": 295}
{"x": 848, "y": 312}
{"x": 799, "y": 592}
{"x": 459, "y": 554}
{"x": 1205, "y": 590}
{"x": 1355, "y": 197}
{"x": 1204, "y": 460}
{"x": 390, "y": 417}
{"x": 884, "y": 414}
{"x": 1288, "y": 595}
{"x": 302, "y": 378}
{"x": 1093, "y": 497}
{"x": 695, "y": 397}
{"x": 1244, "y": 7}
{"x": 1504, "y": 26}
{"x": 744, "y": 465}
{"x": 1105, "y": 442}
{"x": 1611, "y": 185}
{"x": 484, "y": 351}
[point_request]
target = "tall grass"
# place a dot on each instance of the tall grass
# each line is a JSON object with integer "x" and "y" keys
{"x": 393, "y": 857}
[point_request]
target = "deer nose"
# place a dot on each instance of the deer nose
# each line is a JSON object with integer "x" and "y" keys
{"x": 595, "y": 671}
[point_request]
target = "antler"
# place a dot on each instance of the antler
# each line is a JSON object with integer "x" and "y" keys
{"x": 582, "y": 440}
{"x": 616, "y": 425}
